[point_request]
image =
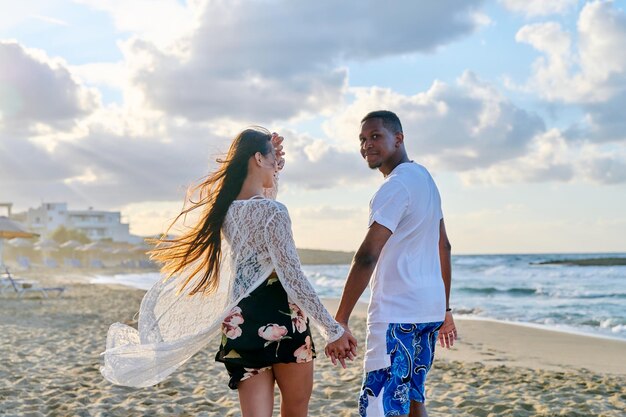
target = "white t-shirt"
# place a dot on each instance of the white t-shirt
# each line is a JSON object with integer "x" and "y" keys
{"x": 407, "y": 286}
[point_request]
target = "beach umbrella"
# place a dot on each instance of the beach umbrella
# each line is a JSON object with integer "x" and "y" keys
{"x": 20, "y": 242}
{"x": 94, "y": 247}
{"x": 120, "y": 251}
{"x": 10, "y": 229}
{"x": 46, "y": 245}
{"x": 70, "y": 244}
{"x": 141, "y": 249}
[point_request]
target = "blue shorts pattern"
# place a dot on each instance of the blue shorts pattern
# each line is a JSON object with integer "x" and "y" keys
{"x": 412, "y": 349}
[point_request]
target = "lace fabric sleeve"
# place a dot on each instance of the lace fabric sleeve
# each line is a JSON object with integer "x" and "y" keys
{"x": 271, "y": 193}
{"x": 285, "y": 259}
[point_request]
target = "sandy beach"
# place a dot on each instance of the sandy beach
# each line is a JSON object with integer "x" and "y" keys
{"x": 50, "y": 359}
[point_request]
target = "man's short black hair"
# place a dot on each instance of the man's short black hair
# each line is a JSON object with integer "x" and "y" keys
{"x": 389, "y": 118}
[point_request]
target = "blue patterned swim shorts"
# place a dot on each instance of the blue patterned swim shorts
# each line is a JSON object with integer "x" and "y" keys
{"x": 389, "y": 391}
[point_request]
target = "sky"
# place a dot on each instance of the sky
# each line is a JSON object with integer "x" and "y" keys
{"x": 514, "y": 106}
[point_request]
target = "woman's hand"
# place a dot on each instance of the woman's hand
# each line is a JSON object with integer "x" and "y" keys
{"x": 277, "y": 141}
{"x": 342, "y": 348}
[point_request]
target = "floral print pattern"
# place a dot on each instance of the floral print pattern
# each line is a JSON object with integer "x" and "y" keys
{"x": 273, "y": 333}
{"x": 305, "y": 352}
{"x": 299, "y": 320}
{"x": 263, "y": 329}
{"x": 230, "y": 325}
{"x": 250, "y": 372}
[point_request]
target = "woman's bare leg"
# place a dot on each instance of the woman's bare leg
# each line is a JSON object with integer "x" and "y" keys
{"x": 295, "y": 381}
{"x": 256, "y": 395}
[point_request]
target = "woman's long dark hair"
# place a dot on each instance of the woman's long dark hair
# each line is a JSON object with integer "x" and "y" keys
{"x": 216, "y": 193}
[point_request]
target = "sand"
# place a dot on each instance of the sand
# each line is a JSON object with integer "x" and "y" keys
{"x": 50, "y": 349}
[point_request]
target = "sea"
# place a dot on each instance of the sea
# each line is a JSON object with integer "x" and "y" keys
{"x": 587, "y": 300}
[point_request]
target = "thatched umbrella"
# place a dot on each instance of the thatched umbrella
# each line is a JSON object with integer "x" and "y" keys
{"x": 10, "y": 229}
{"x": 97, "y": 246}
{"x": 70, "y": 244}
{"x": 69, "y": 248}
{"x": 46, "y": 245}
{"x": 141, "y": 249}
{"x": 20, "y": 242}
{"x": 92, "y": 248}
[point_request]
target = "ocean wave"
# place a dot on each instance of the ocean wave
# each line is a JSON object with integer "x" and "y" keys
{"x": 592, "y": 296}
{"x": 493, "y": 290}
{"x": 556, "y": 293}
{"x": 468, "y": 311}
{"x": 330, "y": 282}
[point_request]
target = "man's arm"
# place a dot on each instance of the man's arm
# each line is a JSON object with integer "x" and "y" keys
{"x": 359, "y": 276}
{"x": 361, "y": 270}
{"x": 447, "y": 332}
{"x": 445, "y": 257}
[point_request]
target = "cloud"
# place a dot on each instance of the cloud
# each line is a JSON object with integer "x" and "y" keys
{"x": 276, "y": 60}
{"x": 162, "y": 22}
{"x": 117, "y": 160}
{"x": 110, "y": 74}
{"x": 604, "y": 122}
{"x": 589, "y": 73}
{"x": 534, "y": 8}
{"x": 36, "y": 89}
{"x": 548, "y": 159}
{"x": 603, "y": 164}
{"x": 109, "y": 165}
{"x": 452, "y": 127}
{"x": 311, "y": 226}
{"x": 317, "y": 164}
{"x": 552, "y": 158}
{"x": 50, "y": 20}
{"x": 592, "y": 70}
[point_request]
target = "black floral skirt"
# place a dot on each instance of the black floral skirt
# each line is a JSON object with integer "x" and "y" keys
{"x": 263, "y": 329}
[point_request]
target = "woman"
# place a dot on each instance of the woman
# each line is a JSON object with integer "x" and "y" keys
{"x": 236, "y": 271}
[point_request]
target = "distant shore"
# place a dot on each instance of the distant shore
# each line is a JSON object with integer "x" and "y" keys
{"x": 324, "y": 257}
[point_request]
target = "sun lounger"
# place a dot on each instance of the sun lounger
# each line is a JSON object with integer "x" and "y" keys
{"x": 50, "y": 263}
{"x": 71, "y": 262}
{"x": 22, "y": 288}
{"x": 97, "y": 263}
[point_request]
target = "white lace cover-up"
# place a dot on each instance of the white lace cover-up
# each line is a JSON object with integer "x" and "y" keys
{"x": 172, "y": 327}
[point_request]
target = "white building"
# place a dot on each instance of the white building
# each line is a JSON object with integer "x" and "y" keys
{"x": 96, "y": 224}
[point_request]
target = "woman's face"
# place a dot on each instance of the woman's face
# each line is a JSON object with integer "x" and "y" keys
{"x": 269, "y": 166}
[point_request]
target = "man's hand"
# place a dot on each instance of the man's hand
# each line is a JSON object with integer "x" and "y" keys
{"x": 447, "y": 332}
{"x": 342, "y": 348}
{"x": 277, "y": 141}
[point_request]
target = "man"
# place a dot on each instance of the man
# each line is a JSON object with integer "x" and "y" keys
{"x": 406, "y": 252}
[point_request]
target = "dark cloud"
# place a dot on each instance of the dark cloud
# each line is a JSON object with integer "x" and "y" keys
{"x": 457, "y": 127}
{"x": 605, "y": 121}
{"x": 275, "y": 60}
{"x": 314, "y": 164}
{"x": 107, "y": 170}
{"x": 37, "y": 89}
{"x": 606, "y": 170}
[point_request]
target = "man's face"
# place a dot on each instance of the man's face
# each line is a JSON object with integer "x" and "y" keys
{"x": 377, "y": 143}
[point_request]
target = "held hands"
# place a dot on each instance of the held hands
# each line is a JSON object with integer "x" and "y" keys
{"x": 277, "y": 141}
{"x": 447, "y": 332}
{"x": 342, "y": 348}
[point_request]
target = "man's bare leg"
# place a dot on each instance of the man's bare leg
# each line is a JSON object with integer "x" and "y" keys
{"x": 418, "y": 410}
